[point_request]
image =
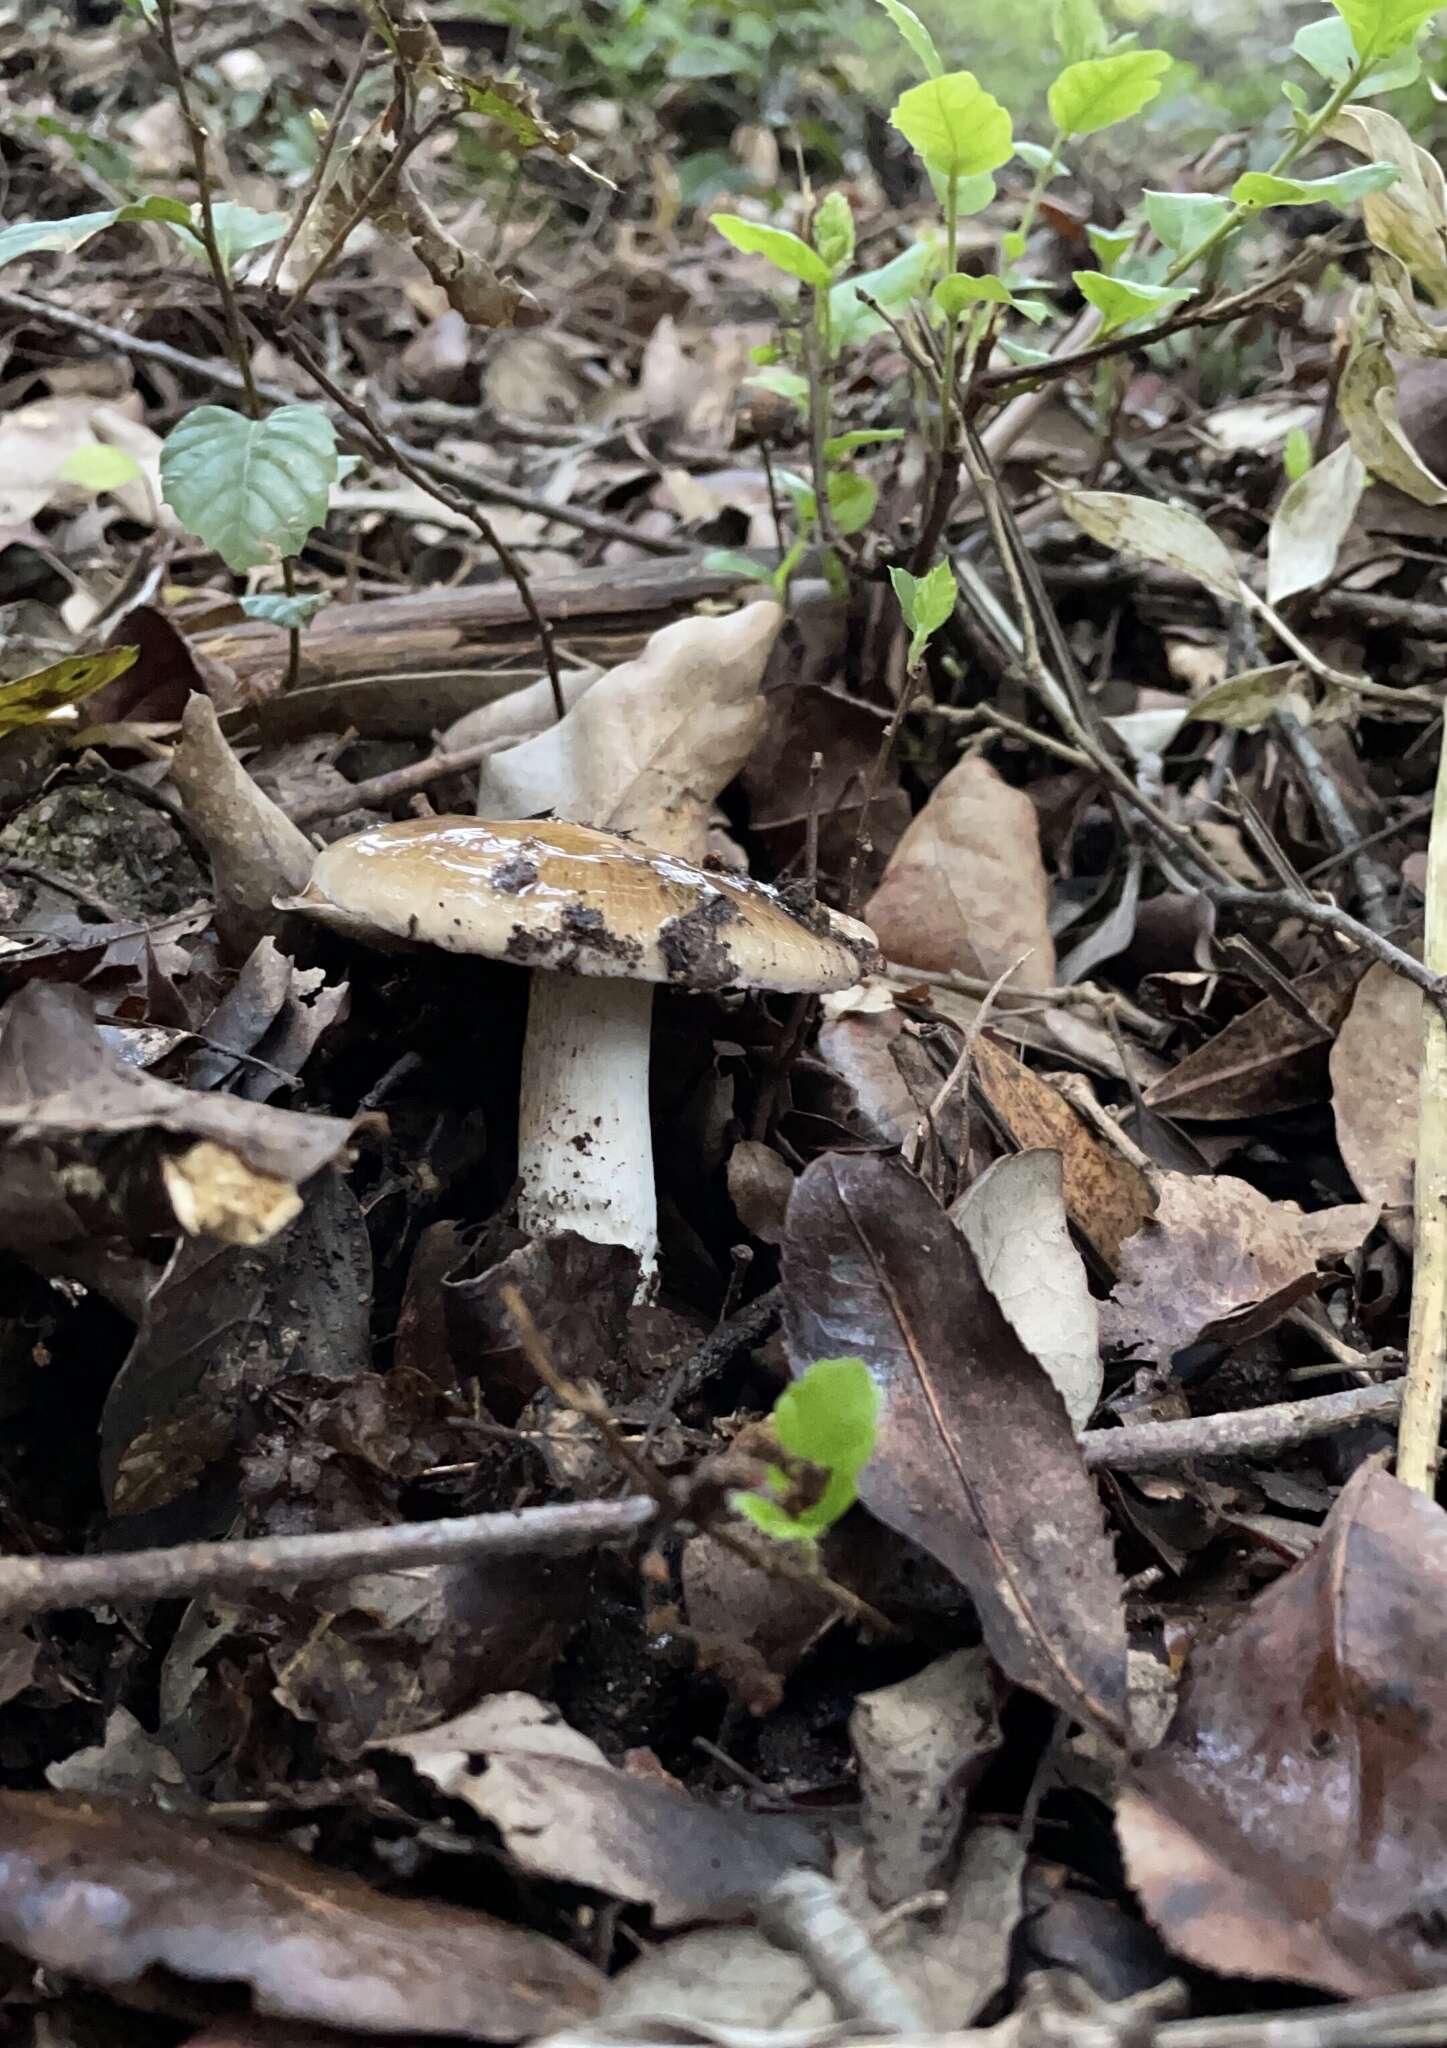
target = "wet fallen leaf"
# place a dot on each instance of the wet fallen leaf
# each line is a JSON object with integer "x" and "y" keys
{"x": 1294, "y": 1823}
{"x": 566, "y": 1812}
{"x": 1219, "y": 1259}
{"x": 649, "y": 746}
{"x": 921, "y": 1746}
{"x": 1269, "y": 1058}
{"x": 1107, "y": 1197}
{"x": 975, "y": 1460}
{"x": 1374, "y": 1068}
{"x": 1311, "y": 522}
{"x": 965, "y": 887}
{"x": 110, "y": 1893}
{"x": 1013, "y": 1219}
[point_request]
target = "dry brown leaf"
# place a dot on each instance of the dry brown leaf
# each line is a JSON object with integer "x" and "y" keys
{"x": 257, "y": 854}
{"x": 965, "y": 888}
{"x": 110, "y": 1893}
{"x": 975, "y": 1458}
{"x": 566, "y": 1812}
{"x": 1374, "y": 1068}
{"x": 1219, "y": 1259}
{"x": 37, "y": 441}
{"x": 1107, "y": 1197}
{"x": 1294, "y": 1822}
{"x": 921, "y": 1746}
{"x": 650, "y": 745}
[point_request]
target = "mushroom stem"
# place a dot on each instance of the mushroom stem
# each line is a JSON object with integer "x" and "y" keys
{"x": 585, "y": 1144}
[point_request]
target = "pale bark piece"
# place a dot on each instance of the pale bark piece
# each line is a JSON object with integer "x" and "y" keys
{"x": 1014, "y": 1221}
{"x": 1294, "y": 1822}
{"x": 257, "y": 854}
{"x": 565, "y": 1812}
{"x": 108, "y": 1892}
{"x": 921, "y": 1746}
{"x": 975, "y": 1458}
{"x": 1220, "y": 1259}
{"x": 1374, "y": 1088}
{"x": 965, "y": 888}
{"x": 651, "y": 744}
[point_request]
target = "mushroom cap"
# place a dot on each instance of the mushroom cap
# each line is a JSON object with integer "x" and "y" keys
{"x": 566, "y": 896}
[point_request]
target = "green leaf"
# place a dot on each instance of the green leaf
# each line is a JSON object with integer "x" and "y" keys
{"x": 1296, "y": 455}
{"x": 1096, "y": 94}
{"x": 783, "y": 383}
{"x": 278, "y": 608}
{"x": 957, "y": 127}
{"x": 892, "y": 286}
{"x": 95, "y": 466}
{"x": 239, "y": 230}
{"x": 1262, "y": 188}
{"x": 727, "y": 562}
{"x": 1020, "y": 352}
{"x": 251, "y": 489}
{"x": 174, "y": 212}
{"x": 926, "y": 603}
{"x": 840, "y": 445}
{"x": 1109, "y": 244}
{"x": 1380, "y": 27}
{"x": 834, "y": 231}
{"x": 1079, "y": 30}
{"x": 1326, "y": 45}
{"x": 1039, "y": 159}
{"x": 37, "y": 237}
{"x": 30, "y": 699}
{"x": 852, "y": 500}
{"x": 1179, "y": 220}
{"x": 971, "y": 194}
{"x": 785, "y": 251}
{"x": 952, "y": 294}
{"x": 920, "y": 41}
{"x": 829, "y": 1418}
{"x": 1119, "y": 300}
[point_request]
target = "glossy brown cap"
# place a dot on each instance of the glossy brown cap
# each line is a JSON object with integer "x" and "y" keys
{"x": 568, "y": 897}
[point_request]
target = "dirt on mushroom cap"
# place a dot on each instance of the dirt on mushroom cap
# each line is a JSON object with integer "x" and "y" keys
{"x": 559, "y": 895}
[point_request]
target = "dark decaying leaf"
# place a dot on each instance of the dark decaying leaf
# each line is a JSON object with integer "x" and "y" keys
{"x": 565, "y": 1812}
{"x": 1268, "y": 1059}
{"x": 1294, "y": 1822}
{"x": 266, "y": 1025}
{"x": 65, "y": 1098}
{"x": 223, "y": 1326}
{"x": 976, "y": 1460}
{"x": 577, "y": 1293}
{"x": 108, "y": 1893}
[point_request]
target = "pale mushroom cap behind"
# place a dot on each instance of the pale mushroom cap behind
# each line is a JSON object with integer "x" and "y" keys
{"x": 567, "y": 897}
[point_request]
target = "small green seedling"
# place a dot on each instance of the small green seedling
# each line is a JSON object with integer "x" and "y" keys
{"x": 825, "y": 1421}
{"x": 926, "y": 603}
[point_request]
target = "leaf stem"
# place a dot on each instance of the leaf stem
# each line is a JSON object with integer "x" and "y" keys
{"x": 1296, "y": 147}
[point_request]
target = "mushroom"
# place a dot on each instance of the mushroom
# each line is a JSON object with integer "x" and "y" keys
{"x": 599, "y": 919}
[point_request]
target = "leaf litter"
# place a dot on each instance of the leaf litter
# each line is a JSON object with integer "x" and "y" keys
{"x": 1120, "y": 1131}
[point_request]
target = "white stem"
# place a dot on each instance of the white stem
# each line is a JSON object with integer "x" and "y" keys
{"x": 585, "y": 1145}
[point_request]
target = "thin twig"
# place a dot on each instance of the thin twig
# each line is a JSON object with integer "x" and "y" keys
{"x": 324, "y": 156}
{"x": 1417, "y": 1449}
{"x": 1330, "y": 917}
{"x": 1145, "y": 1446}
{"x": 41, "y": 1585}
{"x": 1336, "y": 821}
{"x": 391, "y": 451}
{"x": 222, "y": 377}
{"x": 381, "y": 789}
{"x": 1081, "y": 995}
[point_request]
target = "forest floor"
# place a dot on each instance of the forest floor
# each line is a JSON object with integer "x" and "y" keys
{"x": 418, "y": 1622}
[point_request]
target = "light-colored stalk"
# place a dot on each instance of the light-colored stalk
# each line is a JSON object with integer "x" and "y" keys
{"x": 1421, "y": 1422}
{"x": 585, "y": 1144}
